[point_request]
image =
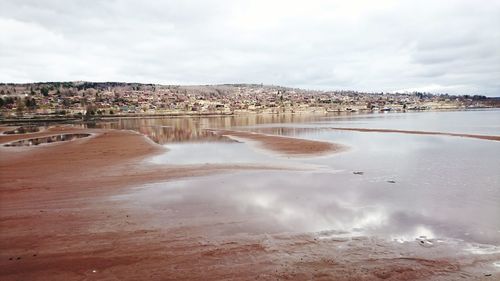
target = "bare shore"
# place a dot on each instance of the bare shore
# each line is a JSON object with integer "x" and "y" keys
{"x": 287, "y": 145}
{"x": 58, "y": 223}
{"x": 482, "y": 137}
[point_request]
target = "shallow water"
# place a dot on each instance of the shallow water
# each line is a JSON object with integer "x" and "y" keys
{"x": 411, "y": 186}
{"x": 486, "y": 122}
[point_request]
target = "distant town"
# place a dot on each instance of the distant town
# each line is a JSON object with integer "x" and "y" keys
{"x": 104, "y": 99}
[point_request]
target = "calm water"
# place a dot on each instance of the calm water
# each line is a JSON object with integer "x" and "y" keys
{"x": 437, "y": 186}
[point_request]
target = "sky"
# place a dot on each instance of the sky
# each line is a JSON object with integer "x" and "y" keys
{"x": 422, "y": 45}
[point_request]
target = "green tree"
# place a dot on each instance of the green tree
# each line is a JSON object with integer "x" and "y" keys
{"x": 44, "y": 91}
{"x": 30, "y": 103}
{"x": 9, "y": 100}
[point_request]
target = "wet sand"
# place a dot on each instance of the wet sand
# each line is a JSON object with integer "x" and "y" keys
{"x": 483, "y": 137}
{"x": 287, "y": 145}
{"x": 108, "y": 159}
{"x": 58, "y": 222}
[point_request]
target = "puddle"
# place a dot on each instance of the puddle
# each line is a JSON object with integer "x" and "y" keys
{"x": 46, "y": 140}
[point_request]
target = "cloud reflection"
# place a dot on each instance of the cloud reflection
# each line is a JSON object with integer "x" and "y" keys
{"x": 291, "y": 202}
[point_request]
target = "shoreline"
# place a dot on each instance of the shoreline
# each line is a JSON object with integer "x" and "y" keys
{"x": 58, "y": 119}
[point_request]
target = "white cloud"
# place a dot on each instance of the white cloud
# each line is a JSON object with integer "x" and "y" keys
{"x": 388, "y": 45}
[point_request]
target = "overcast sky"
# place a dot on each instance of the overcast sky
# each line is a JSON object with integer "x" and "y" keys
{"x": 383, "y": 45}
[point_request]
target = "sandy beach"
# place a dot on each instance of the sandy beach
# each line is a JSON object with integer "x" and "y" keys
{"x": 58, "y": 223}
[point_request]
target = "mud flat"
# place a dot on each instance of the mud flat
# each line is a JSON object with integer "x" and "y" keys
{"x": 95, "y": 164}
{"x": 63, "y": 217}
{"x": 287, "y": 145}
{"x": 483, "y": 137}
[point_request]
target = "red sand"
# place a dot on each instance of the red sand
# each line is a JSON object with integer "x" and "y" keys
{"x": 483, "y": 137}
{"x": 58, "y": 223}
{"x": 287, "y": 145}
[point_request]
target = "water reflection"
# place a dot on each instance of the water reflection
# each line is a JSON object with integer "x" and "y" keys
{"x": 313, "y": 202}
{"x": 193, "y": 129}
{"x": 411, "y": 185}
{"x": 469, "y": 122}
{"x": 187, "y": 131}
{"x": 286, "y": 131}
{"x": 234, "y": 152}
{"x": 213, "y": 153}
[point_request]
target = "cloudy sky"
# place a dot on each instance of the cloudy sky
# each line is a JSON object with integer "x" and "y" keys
{"x": 384, "y": 45}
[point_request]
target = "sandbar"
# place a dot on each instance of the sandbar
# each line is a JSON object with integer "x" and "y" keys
{"x": 483, "y": 137}
{"x": 287, "y": 145}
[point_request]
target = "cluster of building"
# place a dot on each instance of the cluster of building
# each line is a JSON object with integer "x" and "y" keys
{"x": 109, "y": 98}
